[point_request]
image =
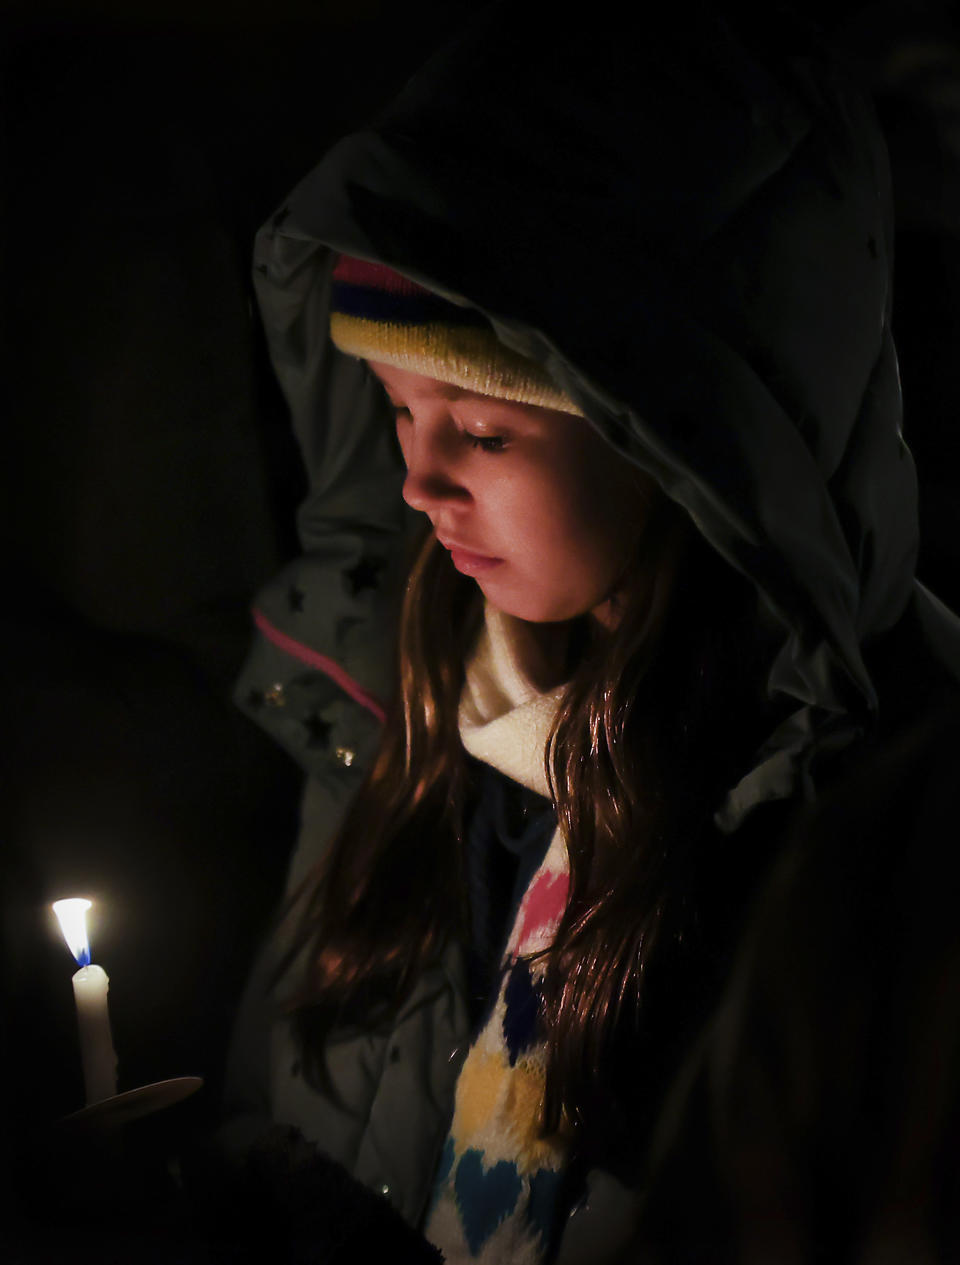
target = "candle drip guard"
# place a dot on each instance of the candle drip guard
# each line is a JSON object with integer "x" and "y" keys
{"x": 133, "y": 1104}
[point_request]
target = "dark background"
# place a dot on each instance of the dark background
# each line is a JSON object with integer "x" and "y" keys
{"x": 149, "y": 482}
{"x": 149, "y": 487}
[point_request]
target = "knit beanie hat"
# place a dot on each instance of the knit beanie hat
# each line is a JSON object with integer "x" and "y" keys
{"x": 377, "y": 314}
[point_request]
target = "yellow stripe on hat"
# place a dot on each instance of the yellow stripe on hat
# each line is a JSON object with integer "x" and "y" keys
{"x": 464, "y": 356}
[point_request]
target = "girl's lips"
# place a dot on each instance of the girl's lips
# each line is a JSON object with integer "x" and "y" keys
{"x": 468, "y": 562}
{"x": 472, "y": 563}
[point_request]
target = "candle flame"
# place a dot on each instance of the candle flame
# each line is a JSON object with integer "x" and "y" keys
{"x": 72, "y": 916}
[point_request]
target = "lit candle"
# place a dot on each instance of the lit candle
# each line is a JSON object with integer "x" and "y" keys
{"x": 90, "y": 986}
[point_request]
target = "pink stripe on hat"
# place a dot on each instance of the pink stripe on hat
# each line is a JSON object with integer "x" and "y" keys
{"x": 360, "y": 272}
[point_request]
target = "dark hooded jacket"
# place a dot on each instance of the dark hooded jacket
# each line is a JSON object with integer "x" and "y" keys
{"x": 686, "y": 220}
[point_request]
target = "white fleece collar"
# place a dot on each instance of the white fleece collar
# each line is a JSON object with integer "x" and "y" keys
{"x": 504, "y": 719}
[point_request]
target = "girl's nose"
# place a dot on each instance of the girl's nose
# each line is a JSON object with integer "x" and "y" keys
{"x": 431, "y": 479}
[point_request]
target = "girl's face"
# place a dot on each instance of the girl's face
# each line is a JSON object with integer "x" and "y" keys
{"x": 530, "y": 501}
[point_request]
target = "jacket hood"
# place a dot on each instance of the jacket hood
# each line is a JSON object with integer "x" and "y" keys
{"x": 687, "y": 222}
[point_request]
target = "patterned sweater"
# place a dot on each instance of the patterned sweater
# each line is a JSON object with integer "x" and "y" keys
{"x": 499, "y": 1180}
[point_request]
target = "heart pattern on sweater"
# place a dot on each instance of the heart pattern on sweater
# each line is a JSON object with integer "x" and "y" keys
{"x": 485, "y": 1197}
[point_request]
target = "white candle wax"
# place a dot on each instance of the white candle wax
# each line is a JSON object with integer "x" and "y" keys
{"x": 90, "y": 986}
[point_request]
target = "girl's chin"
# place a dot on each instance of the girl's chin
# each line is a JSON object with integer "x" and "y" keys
{"x": 521, "y": 603}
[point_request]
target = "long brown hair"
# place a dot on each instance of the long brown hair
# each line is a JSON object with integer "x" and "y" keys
{"x": 636, "y": 762}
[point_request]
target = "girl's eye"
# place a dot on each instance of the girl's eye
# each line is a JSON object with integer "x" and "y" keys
{"x": 487, "y": 443}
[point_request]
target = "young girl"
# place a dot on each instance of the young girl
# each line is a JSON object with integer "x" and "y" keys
{"x": 587, "y": 346}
